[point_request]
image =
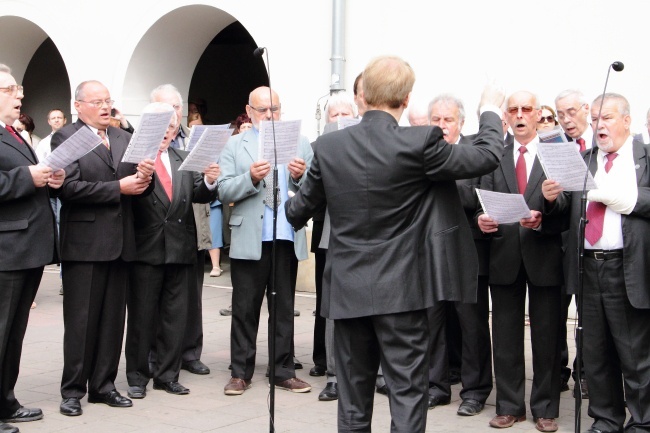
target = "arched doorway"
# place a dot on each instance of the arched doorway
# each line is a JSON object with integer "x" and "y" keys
{"x": 226, "y": 73}
{"x": 196, "y": 44}
{"x": 37, "y": 64}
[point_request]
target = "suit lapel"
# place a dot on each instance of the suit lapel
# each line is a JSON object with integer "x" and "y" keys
{"x": 175, "y": 161}
{"x": 508, "y": 168}
{"x": 640, "y": 160}
{"x": 22, "y": 146}
{"x": 536, "y": 174}
{"x": 250, "y": 144}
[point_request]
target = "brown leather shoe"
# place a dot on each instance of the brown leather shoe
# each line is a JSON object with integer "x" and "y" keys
{"x": 294, "y": 385}
{"x": 505, "y": 421}
{"x": 546, "y": 424}
{"x": 236, "y": 386}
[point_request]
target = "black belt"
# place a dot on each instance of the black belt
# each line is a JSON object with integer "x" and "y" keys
{"x": 604, "y": 254}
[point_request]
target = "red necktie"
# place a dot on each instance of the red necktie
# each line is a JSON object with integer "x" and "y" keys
{"x": 163, "y": 176}
{"x": 15, "y": 133}
{"x": 581, "y": 143}
{"x": 596, "y": 211}
{"x": 520, "y": 171}
{"x": 102, "y": 133}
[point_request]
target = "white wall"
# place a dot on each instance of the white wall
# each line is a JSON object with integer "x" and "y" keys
{"x": 454, "y": 46}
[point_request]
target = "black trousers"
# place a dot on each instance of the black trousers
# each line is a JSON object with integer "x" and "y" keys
{"x": 319, "y": 356}
{"x": 94, "y": 307}
{"x": 400, "y": 342}
{"x": 508, "y": 314}
{"x": 250, "y": 279}
{"x": 18, "y": 290}
{"x": 476, "y": 370}
{"x": 193, "y": 341}
{"x": 616, "y": 349}
{"x": 157, "y": 305}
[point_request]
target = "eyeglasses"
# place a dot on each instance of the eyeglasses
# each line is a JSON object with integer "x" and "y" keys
{"x": 571, "y": 112}
{"x": 12, "y": 90}
{"x": 99, "y": 103}
{"x": 524, "y": 109}
{"x": 549, "y": 119}
{"x": 263, "y": 110}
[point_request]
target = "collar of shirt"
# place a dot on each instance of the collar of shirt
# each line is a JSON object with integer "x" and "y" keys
{"x": 95, "y": 130}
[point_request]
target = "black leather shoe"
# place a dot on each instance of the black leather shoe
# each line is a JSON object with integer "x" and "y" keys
{"x": 171, "y": 387}
{"x": 318, "y": 370}
{"x": 6, "y": 428}
{"x": 24, "y": 414}
{"x": 470, "y": 407}
{"x": 438, "y": 401}
{"x": 297, "y": 365}
{"x": 195, "y": 367}
{"x": 70, "y": 407}
{"x": 137, "y": 391}
{"x": 454, "y": 377}
{"x": 383, "y": 390}
{"x": 111, "y": 398}
{"x": 331, "y": 392}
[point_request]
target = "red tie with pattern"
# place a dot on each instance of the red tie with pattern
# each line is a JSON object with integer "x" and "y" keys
{"x": 581, "y": 143}
{"x": 596, "y": 211}
{"x": 163, "y": 176}
{"x": 520, "y": 171}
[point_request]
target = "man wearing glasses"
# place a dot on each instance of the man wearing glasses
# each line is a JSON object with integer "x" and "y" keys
{"x": 98, "y": 242}
{"x": 27, "y": 236}
{"x": 245, "y": 180}
{"x": 524, "y": 255}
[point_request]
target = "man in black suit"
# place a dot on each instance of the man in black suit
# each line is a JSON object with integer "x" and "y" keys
{"x": 394, "y": 206}
{"x": 525, "y": 255}
{"x": 163, "y": 272}
{"x": 470, "y": 320}
{"x": 615, "y": 294}
{"x": 28, "y": 236}
{"x": 97, "y": 244}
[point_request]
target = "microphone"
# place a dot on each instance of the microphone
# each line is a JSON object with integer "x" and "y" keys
{"x": 618, "y": 66}
{"x": 260, "y": 50}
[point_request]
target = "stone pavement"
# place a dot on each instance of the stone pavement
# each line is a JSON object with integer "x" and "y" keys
{"x": 206, "y": 408}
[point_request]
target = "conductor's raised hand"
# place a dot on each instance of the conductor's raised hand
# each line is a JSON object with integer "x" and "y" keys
{"x": 493, "y": 94}
{"x": 297, "y": 168}
{"x": 259, "y": 169}
{"x": 212, "y": 173}
{"x": 487, "y": 224}
{"x": 551, "y": 189}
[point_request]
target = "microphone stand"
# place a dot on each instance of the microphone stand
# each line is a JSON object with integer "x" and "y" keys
{"x": 272, "y": 295}
{"x": 581, "y": 255}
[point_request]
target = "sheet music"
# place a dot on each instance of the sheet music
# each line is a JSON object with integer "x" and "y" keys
{"x": 207, "y": 149}
{"x": 146, "y": 140}
{"x": 287, "y": 138}
{"x": 197, "y": 131}
{"x": 502, "y": 207}
{"x": 563, "y": 163}
{"x": 75, "y": 147}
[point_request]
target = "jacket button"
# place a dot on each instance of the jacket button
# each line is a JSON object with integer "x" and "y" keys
{"x": 179, "y": 221}
{"x": 155, "y": 202}
{"x": 262, "y": 216}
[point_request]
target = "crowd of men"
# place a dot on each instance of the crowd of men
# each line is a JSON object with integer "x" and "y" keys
{"x": 406, "y": 258}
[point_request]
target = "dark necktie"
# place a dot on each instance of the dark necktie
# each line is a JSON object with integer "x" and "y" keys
{"x": 163, "y": 176}
{"x": 596, "y": 211}
{"x": 581, "y": 143}
{"x": 520, "y": 170}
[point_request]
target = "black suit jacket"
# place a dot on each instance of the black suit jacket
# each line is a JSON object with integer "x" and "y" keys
{"x": 540, "y": 251}
{"x": 96, "y": 222}
{"x": 27, "y": 224}
{"x": 636, "y": 230}
{"x": 399, "y": 238}
{"x": 165, "y": 232}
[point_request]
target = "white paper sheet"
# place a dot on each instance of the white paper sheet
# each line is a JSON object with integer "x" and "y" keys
{"x": 563, "y": 163}
{"x": 502, "y": 207}
{"x": 207, "y": 149}
{"x": 76, "y": 146}
{"x": 145, "y": 142}
{"x": 287, "y": 138}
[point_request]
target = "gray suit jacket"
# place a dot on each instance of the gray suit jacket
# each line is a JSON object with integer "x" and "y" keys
{"x": 399, "y": 237}
{"x": 235, "y": 185}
